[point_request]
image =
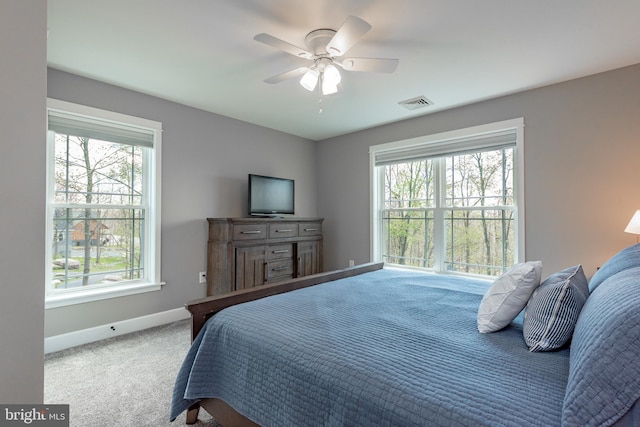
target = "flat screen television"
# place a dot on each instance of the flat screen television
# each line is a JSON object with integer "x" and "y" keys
{"x": 271, "y": 196}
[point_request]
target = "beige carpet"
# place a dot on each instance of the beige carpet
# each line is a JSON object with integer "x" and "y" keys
{"x": 122, "y": 381}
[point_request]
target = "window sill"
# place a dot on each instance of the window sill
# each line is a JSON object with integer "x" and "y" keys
{"x": 82, "y": 297}
{"x": 446, "y": 272}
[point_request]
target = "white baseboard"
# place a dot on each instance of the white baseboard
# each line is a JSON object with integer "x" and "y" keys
{"x": 85, "y": 336}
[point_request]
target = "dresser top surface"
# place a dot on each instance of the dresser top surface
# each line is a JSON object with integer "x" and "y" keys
{"x": 254, "y": 220}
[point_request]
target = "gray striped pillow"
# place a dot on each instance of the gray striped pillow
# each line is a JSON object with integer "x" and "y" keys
{"x": 552, "y": 311}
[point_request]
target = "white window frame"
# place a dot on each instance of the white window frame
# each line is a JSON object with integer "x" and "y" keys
{"x": 152, "y": 256}
{"x": 444, "y": 143}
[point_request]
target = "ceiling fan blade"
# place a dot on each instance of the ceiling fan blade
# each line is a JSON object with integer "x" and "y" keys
{"x": 376, "y": 65}
{"x": 287, "y": 75}
{"x": 283, "y": 45}
{"x": 350, "y": 32}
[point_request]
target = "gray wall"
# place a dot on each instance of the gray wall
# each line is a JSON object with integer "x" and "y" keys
{"x": 205, "y": 162}
{"x": 582, "y": 146}
{"x": 23, "y": 89}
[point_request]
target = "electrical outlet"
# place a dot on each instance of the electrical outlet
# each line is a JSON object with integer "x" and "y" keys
{"x": 351, "y": 263}
{"x": 202, "y": 277}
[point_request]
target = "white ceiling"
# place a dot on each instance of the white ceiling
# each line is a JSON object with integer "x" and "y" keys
{"x": 201, "y": 52}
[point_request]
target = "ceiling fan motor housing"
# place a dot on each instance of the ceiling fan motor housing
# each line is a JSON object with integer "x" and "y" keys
{"x": 317, "y": 41}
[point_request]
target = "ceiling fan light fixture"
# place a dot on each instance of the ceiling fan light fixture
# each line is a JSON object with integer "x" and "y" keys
{"x": 328, "y": 89}
{"x": 332, "y": 75}
{"x": 310, "y": 79}
{"x": 330, "y": 79}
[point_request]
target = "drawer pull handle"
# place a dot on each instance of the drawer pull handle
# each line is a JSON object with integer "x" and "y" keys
{"x": 283, "y": 231}
{"x": 310, "y": 229}
{"x": 251, "y": 232}
{"x": 279, "y": 268}
{"x": 281, "y": 251}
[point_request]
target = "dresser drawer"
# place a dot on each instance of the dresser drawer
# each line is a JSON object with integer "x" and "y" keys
{"x": 249, "y": 231}
{"x": 280, "y": 251}
{"x": 279, "y": 270}
{"x": 282, "y": 230}
{"x": 310, "y": 229}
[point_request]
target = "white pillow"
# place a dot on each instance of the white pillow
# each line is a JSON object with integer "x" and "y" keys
{"x": 508, "y": 295}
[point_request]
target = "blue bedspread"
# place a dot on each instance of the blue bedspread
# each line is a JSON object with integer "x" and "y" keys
{"x": 391, "y": 347}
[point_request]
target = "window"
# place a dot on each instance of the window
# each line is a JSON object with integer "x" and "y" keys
{"x": 103, "y": 210}
{"x": 450, "y": 202}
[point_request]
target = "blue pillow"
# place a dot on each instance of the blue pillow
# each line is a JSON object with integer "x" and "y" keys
{"x": 627, "y": 258}
{"x": 553, "y": 309}
{"x": 604, "y": 361}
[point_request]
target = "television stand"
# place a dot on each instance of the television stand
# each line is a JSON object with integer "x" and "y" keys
{"x": 244, "y": 253}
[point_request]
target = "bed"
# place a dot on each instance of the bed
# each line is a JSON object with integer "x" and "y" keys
{"x": 382, "y": 346}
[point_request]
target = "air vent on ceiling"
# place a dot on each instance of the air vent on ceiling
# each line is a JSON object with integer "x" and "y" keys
{"x": 415, "y": 103}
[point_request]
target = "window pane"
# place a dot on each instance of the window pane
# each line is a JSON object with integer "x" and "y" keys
{"x": 97, "y": 172}
{"x": 480, "y": 179}
{"x": 96, "y": 246}
{"x": 479, "y": 241}
{"x": 408, "y": 237}
{"x": 409, "y": 185}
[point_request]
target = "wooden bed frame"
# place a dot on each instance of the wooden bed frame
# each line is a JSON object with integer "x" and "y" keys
{"x": 202, "y": 309}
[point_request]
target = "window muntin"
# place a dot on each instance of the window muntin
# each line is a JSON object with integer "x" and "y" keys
{"x": 103, "y": 211}
{"x": 455, "y": 212}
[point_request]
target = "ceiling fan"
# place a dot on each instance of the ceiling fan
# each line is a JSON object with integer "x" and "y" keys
{"x": 324, "y": 48}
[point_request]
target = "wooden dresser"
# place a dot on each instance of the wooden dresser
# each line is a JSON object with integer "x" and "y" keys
{"x": 247, "y": 252}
